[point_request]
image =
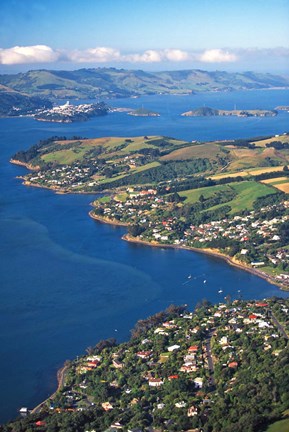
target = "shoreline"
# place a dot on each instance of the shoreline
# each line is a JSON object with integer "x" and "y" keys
{"x": 206, "y": 251}
{"x": 210, "y": 252}
{"x": 105, "y": 220}
{"x": 60, "y": 384}
{"x": 24, "y": 164}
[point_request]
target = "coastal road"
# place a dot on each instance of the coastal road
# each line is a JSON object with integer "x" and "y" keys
{"x": 210, "y": 360}
{"x": 278, "y": 325}
{"x": 61, "y": 379}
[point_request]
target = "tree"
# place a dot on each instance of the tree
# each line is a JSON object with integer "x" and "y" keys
{"x": 135, "y": 230}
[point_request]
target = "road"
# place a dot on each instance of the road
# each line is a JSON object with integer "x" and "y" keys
{"x": 210, "y": 360}
{"x": 277, "y": 323}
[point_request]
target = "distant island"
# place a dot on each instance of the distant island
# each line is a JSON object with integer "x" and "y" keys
{"x": 142, "y": 112}
{"x": 282, "y": 108}
{"x": 68, "y": 113}
{"x": 223, "y": 367}
{"x": 210, "y": 112}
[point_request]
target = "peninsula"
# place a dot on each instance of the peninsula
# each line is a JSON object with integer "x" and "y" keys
{"x": 229, "y": 198}
{"x": 68, "y": 113}
{"x": 180, "y": 371}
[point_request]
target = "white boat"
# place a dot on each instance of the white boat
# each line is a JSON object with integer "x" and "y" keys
{"x": 220, "y": 291}
{"x": 23, "y": 410}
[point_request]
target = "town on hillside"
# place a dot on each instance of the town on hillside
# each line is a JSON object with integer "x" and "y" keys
{"x": 223, "y": 367}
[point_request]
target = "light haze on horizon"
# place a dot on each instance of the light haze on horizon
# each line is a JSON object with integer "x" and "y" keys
{"x": 145, "y": 34}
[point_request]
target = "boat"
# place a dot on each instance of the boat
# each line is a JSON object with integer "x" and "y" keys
{"x": 220, "y": 291}
{"x": 23, "y": 410}
{"x": 190, "y": 276}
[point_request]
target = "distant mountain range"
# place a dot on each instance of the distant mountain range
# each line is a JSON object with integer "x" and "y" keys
{"x": 112, "y": 83}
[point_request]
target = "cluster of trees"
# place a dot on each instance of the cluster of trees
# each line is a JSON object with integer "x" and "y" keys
{"x": 278, "y": 145}
{"x": 190, "y": 182}
{"x": 268, "y": 200}
{"x": 142, "y": 326}
{"x": 246, "y": 142}
{"x": 165, "y": 171}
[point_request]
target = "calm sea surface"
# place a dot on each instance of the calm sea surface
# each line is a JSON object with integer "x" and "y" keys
{"x": 68, "y": 281}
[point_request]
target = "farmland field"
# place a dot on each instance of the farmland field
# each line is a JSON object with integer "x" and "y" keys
{"x": 208, "y": 150}
{"x": 282, "y": 138}
{"x": 284, "y": 187}
{"x": 246, "y": 193}
{"x": 193, "y": 195}
{"x": 247, "y": 173}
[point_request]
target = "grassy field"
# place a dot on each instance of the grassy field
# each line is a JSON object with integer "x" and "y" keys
{"x": 114, "y": 146}
{"x": 247, "y": 193}
{"x": 247, "y": 173}
{"x": 65, "y": 157}
{"x": 193, "y": 195}
{"x": 283, "y": 187}
{"x": 208, "y": 150}
{"x": 275, "y": 180}
{"x": 145, "y": 167}
{"x": 245, "y": 158}
{"x": 279, "y": 426}
{"x": 262, "y": 143}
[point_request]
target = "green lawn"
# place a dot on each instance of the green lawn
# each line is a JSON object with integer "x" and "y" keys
{"x": 247, "y": 193}
{"x": 104, "y": 199}
{"x": 193, "y": 195}
{"x": 279, "y": 426}
{"x": 65, "y": 157}
{"x": 145, "y": 167}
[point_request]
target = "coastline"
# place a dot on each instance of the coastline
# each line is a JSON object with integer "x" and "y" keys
{"x": 207, "y": 251}
{"x": 105, "y": 220}
{"x": 213, "y": 253}
{"x": 60, "y": 384}
{"x": 24, "y": 164}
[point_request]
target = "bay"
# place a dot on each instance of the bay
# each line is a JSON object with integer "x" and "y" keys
{"x": 68, "y": 281}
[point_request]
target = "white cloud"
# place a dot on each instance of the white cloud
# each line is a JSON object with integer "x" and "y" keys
{"x": 29, "y": 54}
{"x": 45, "y": 54}
{"x": 94, "y": 55}
{"x": 176, "y": 55}
{"x": 217, "y": 56}
{"x": 149, "y": 56}
{"x": 156, "y": 56}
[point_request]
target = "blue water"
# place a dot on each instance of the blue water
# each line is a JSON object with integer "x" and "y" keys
{"x": 68, "y": 281}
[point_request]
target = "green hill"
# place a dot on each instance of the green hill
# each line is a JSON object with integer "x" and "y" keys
{"x": 14, "y": 103}
{"x": 111, "y": 82}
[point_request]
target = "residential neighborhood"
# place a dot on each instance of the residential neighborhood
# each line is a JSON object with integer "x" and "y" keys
{"x": 179, "y": 370}
{"x": 254, "y": 237}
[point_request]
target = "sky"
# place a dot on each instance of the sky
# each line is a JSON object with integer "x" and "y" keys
{"x": 233, "y": 35}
